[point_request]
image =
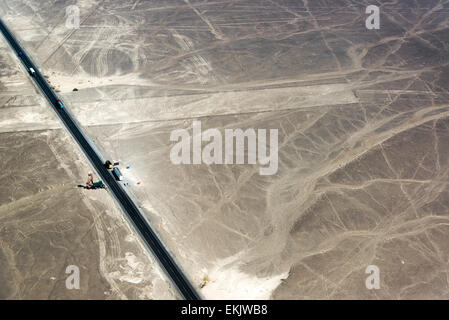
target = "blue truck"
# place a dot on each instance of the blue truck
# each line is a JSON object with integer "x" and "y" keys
{"x": 118, "y": 175}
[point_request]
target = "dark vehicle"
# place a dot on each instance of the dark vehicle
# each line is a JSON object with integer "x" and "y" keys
{"x": 61, "y": 105}
{"x": 108, "y": 164}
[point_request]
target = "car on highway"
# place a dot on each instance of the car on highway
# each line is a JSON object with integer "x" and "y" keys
{"x": 20, "y": 53}
{"x": 32, "y": 72}
{"x": 61, "y": 105}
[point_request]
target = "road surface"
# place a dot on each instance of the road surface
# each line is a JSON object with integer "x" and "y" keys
{"x": 148, "y": 235}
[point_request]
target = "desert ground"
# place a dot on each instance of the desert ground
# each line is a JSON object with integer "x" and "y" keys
{"x": 362, "y": 115}
{"x": 47, "y": 222}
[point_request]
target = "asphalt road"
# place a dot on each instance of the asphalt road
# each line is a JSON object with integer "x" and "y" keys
{"x": 179, "y": 279}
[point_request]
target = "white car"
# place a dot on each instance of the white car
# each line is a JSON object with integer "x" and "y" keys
{"x": 32, "y": 72}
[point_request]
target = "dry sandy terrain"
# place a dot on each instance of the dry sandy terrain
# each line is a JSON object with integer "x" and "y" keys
{"x": 46, "y": 222}
{"x": 363, "y": 119}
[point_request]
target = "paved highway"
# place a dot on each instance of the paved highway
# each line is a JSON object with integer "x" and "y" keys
{"x": 179, "y": 279}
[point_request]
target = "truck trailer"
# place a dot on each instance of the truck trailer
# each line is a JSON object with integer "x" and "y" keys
{"x": 98, "y": 185}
